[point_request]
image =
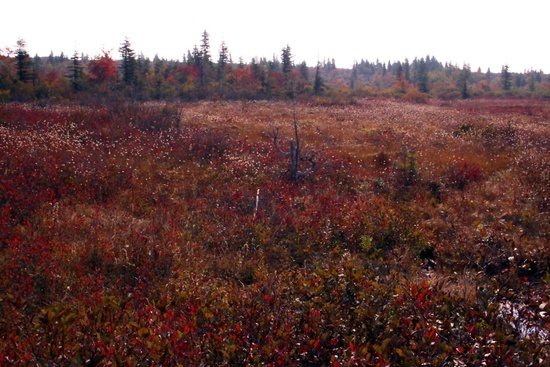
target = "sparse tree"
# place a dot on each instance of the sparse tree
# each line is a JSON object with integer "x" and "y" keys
{"x": 295, "y": 153}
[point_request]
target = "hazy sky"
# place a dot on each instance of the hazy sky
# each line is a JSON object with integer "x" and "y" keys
{"x": 483, "y": 33}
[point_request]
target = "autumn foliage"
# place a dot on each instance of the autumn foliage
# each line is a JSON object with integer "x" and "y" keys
{"x": 169, "y": 234}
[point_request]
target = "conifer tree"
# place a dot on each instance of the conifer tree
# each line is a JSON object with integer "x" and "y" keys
{"x": 318, "y": 85}
{"x": 532, "y": 79}
{"x": 75, "y": 72}
{"x": 421, "y": 76}
{"x": 463, "y": 80}
{"x": 128, "y": 65}
{"x": 23, "y": 61}
{"x": 204, "y": 59}
{"x": 353, "y": 78}
{"x": 506, "y": 78}
{"x": 287, "y": 69}
{"x": 143, "y": 66}
{"x": 304, "y": 71}
{"x": 407, "y": 70}
{"x": 222, "y": 63}
{"x": 287, "y": 60}
{"x": 488, "y": 76}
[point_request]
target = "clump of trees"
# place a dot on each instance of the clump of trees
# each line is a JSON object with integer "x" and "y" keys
{"x": 200, "y": 76}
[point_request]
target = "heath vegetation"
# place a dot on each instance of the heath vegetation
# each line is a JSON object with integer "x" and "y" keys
{"x": 171, "y": 233}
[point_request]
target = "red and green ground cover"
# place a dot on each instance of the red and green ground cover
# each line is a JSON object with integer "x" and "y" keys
{"x": 170, "y": 234}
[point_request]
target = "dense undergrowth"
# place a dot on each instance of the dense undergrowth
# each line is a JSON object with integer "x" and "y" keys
{"x": 170, "y": 234}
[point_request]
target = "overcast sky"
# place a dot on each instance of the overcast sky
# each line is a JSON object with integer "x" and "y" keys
{"x": 483, "y": 33}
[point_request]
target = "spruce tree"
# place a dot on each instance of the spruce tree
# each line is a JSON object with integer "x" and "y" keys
{"x": 506, "y": 78}
{"x": 222, "y": 63}
{"x": 128, "y": 65}
{"x": 204, "y": 63}
{"x": 463, "y": 80}
{"x": 23, "y": 61}
{"x": 318, "y": 85}
{"x": 532, "y": 79}
{"x": 304, "y": 71}
{"x": 421, "y": 76}
{"x": 407, "y": 70}
{"x": 287, "y": 60}
{"x": 287, "y": 69}
{"x": 75, "y": 72}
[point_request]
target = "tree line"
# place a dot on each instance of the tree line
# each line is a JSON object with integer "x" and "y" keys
{"x": 199, "y": 76}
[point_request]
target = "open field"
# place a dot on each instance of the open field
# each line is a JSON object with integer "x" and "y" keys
{"x": 171, "y": 234}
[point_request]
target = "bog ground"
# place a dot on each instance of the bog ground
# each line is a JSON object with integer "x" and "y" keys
{"x": 140, "y": 234}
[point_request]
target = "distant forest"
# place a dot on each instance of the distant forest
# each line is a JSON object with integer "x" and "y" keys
{"x": 128, "y": 75}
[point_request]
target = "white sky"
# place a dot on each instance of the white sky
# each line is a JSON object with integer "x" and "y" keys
{"x": 483, "y": 33}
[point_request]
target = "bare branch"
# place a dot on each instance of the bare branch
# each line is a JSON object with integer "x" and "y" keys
{"x": 275, "y": 142}
{"x": 329, "y": 139}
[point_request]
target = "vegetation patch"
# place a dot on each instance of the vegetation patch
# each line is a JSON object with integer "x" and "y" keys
{"x": 175, "y": 233}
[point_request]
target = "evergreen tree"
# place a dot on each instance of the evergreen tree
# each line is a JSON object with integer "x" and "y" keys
{"x": 421, "y": 76}
{"x": 190, "y": 59}
{"x": 23, "y": 62}
{"x": 287, "y": 69}
{"x": 37, "y": 62}
{"x": 318, "y": 84}
{"x": 287, "y": 60}
{"x": 196, "y": 57}
{"x": 353, "y": 78}
{"x": 304, "y": 71}
{"x": 222, "y": 63}
{"x": 538, "y": 76}
{"x": 519, "y": 80}
{"x": 143, "y": 66}
{"x": 407, "y": 70}
{"x": 128, "y": 65}
{"x": 256, "y": 69}
{"x": 205, "y": 47}
{"x": 506, "y": 78}
{"x": 204, "y": 63}
{"x": 532, "y": 80}
{"x": 75, "y": 72}
{"x": 463, "y": 80}
{"x": 398, "y": 70}
{"x": 488, "y": 76}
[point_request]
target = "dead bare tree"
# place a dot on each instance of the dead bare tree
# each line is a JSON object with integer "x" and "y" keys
{"x": 295, "y": 153}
